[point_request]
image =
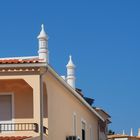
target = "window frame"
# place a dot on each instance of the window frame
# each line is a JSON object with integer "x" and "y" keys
{"x": 12, "y": 103}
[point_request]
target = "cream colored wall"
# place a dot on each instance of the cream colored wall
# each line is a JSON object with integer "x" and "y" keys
{"x": 61, "y": 106}
{"x": 26, "y": 99}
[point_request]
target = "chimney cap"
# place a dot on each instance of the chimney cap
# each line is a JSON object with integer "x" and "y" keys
{"x": 42, "y": 34}
{"x": 70, "y": 63}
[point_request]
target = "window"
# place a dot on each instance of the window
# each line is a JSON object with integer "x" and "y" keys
{"x": 5, "y": 107}
{"x": 83, "y": 130}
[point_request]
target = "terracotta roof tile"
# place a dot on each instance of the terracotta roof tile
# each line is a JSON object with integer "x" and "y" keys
{"x": 14, "y": 138}
{"x": 19, "y": 61}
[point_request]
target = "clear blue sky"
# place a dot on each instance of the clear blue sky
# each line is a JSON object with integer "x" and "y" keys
{"x": 103, "y": 37}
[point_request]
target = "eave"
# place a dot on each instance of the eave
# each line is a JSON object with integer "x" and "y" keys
{"x": 46, "y": 66}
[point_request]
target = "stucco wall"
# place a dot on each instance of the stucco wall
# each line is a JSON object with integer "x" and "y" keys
{"x": 25, "y": 90}
{"x": 61, "y": 107}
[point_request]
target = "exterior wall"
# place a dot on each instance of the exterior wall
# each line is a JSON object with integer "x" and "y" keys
{"x": 25, "y": 90}
{"x": 61, "y": 107}
{"x": 102, "y": 136}
{"x": 22, "y": 96}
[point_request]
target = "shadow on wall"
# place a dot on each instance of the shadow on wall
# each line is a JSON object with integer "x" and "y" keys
{"x": 45, "y": 101}
{"x": 22, "y": 94}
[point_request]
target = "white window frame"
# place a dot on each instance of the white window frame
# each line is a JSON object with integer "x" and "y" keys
{"x": 83, "y": 121}
{"x": 74, "y": 124}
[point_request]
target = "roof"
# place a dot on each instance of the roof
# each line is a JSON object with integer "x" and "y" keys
{"x": 75, "y": 93}
{"x": 121, "y": 136}
{"x": 14, "y": 138}
{"x": 100, "y": 109}
{"x": 18, "y": 61}
{"x": 36, "y": 62}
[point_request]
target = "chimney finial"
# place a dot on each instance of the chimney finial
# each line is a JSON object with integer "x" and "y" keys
{"x": 42, "y": 26}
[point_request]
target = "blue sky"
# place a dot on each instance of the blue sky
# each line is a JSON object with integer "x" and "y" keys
{"x": 103, "y": 38}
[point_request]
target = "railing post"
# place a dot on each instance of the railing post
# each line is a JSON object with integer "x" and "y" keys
{"x": 36, "y": 127}
{"x": 0, "y": 128}
{"x": 19, "y": 127}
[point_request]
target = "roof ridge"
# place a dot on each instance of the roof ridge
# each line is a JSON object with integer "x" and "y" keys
{"x": 23, "y": 57}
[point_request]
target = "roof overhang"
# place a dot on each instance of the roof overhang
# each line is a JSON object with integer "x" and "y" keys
{"x": 47, "y": 66}
{"x": 60, "y": 79}
{"x": 29, "y": 65}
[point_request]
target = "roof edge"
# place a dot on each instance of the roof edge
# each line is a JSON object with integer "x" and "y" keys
{"x": 73, "y": 91}
{"x": 23, "y": 57}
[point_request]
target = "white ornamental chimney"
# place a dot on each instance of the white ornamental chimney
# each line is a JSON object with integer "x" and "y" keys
{"x": 139, "y": 132}
{"x": 43, "y": 45}
{"x": 123, "y": 132}
{"x": 131, "y": 132}
{"x": 71, "y": 73}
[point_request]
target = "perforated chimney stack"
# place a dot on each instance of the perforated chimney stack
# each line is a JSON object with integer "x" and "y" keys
{"x": 131, "y": 132}
{"x": 43, "y": 45}
{"x": 139, "y": 132}
{"x": 71, "y": 73}
{"x": 123, "y": 132}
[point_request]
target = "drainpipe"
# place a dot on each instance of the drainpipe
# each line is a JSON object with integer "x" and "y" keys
{"x": 98, "y": 129}
{"x": 42, "y": 72}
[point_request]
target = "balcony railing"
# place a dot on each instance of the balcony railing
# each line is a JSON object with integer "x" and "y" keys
{"x": 19, "y": 127}
{"x": 45, "y": 130}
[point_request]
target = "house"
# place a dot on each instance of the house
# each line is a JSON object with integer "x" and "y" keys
{"x": 37, "y": 103}
{"x": 125, "y": 136}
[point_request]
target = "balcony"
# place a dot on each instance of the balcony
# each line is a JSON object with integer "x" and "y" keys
{"x": 4, "y": 127}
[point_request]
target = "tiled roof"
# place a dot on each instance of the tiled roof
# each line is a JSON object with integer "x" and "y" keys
{"x": 14, "y": 138}
{"x": 121, "y": 136}
{"x": 19, "y": 61}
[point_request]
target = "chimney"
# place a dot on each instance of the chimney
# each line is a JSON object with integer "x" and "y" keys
{"x": 123, "y": 132}
{"x": 71, "y": 73}
{"x": 43, "y": 45}
{"x": 131, "y": 132}
{"x": 139, "y": 132}
{"x": 63, "y": 77}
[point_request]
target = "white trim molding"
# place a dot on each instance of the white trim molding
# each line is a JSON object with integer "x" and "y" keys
{"x": 83, "y": 121}
{"x": 74, "y": 117}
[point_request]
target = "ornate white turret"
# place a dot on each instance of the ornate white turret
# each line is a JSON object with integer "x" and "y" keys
{"x": 131, "y": 132}
{"x": 139, "y": 132}
{"x": 71, "y": 73}
{"x": 123, "y": 132}
{"x": 43, "y": 45}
